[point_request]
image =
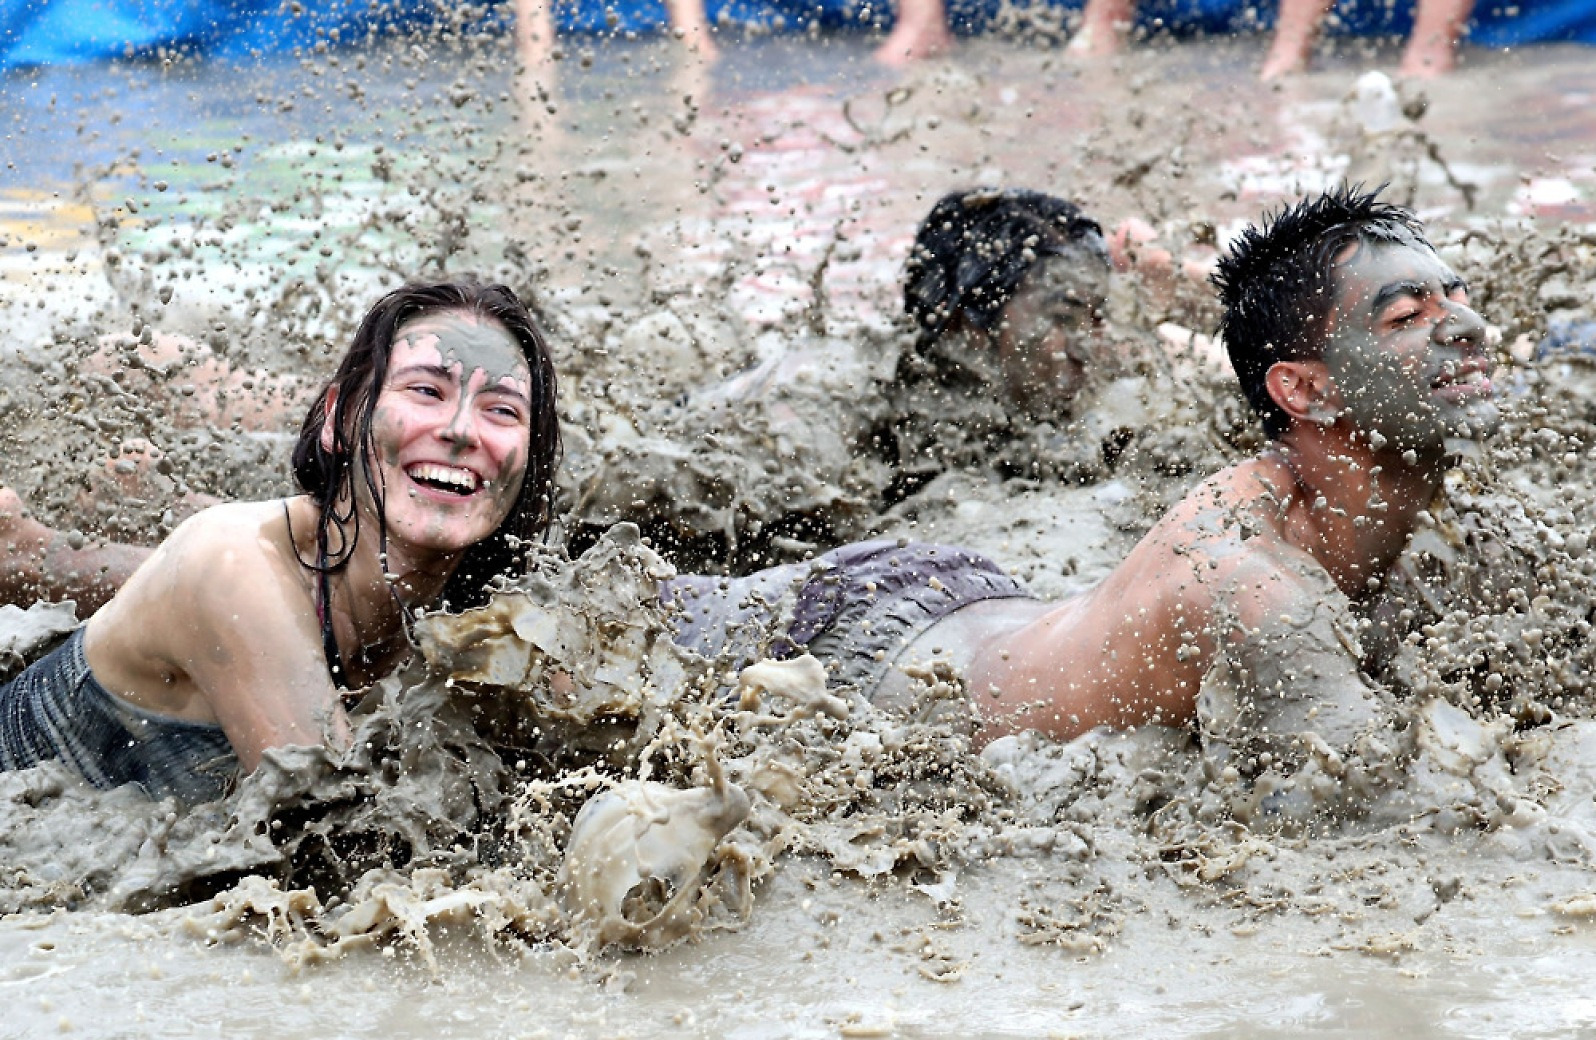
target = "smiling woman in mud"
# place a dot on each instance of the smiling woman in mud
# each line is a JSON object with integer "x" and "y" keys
{"x": 428, "y": 456}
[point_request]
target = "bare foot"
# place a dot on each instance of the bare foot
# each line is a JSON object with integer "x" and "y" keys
{"x": 1427, "y": 59}
{"x": 1104, "y": 26}
{"x": 912, "y": 41}
{"x": 1098, "y": 41}
{"x": 1282, "y": 62}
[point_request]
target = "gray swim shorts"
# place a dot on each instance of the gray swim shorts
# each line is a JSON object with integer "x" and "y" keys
{"x": 855, "y": 608}
{"x": 56, "y": 709}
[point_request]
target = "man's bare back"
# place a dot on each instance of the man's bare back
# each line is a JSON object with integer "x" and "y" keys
{"x": 1141, "y": 642}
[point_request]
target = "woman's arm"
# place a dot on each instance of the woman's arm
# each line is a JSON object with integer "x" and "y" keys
{"x": 256, "y": 652}
{"x": 220, "y": 626}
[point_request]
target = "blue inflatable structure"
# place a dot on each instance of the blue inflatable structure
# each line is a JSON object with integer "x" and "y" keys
{"x": 53, "y": 32}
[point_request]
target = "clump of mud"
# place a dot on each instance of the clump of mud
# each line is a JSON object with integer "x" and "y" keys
{"x": 551, "y": 767}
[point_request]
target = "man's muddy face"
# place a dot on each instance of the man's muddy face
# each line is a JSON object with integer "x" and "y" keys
{"x": 1046, "y": 331}
{"x": 1405, "y": 351}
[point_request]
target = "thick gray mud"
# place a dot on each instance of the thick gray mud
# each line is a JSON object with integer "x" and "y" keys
{"x": 550, "y": 784}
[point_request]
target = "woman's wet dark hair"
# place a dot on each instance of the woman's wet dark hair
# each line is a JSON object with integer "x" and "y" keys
{"x": 1277, "y": 283}
{"x": 974, "y": 247}
{"x": 328, "y": 476}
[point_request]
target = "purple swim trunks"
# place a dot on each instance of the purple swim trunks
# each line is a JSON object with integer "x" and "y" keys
{"x": 855, "y": 607}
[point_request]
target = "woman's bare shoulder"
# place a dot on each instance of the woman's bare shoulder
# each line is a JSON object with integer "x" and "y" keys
{"x": 233, "y": 516}
{"x": 228, "y": 561}
{"x": 238, "y": 536}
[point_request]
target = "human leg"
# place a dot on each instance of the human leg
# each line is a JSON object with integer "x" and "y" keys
{"x": 1295, "y": 31}
{"x": 690, "y": 25}
{"x": 1104, "y": 24}
{"x": 1432, "y": 49}
{"x": 920, "y": 31}
{"x": 534, "y": 32}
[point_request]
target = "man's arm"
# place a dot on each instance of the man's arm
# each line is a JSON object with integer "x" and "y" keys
{"x": 1286, "y": 685}
{"x": 38, "y": 562}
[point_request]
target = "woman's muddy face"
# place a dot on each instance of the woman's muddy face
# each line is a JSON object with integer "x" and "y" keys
{"x": 1046, "y": 332}
{"x": 452, "y": 429}
{"x": 1404, "y": 350}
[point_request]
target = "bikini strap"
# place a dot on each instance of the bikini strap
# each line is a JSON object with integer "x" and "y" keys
{"x": 329, "y": 641}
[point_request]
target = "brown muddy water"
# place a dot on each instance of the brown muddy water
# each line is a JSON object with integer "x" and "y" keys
{"x": 677, "y": 226}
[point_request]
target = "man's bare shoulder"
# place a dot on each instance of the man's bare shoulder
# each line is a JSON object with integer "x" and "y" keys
{"x": 1247, "y": 487}
{"x": 1232, "y": 526}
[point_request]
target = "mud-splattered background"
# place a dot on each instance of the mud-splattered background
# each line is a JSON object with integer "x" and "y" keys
{"x": 186, "y": 248}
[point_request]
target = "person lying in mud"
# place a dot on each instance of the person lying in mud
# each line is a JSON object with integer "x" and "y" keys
{"x": 1355, "y": 344}
{"x": 422, "y": 464}
{"x": 1357, "y": 348}
{"x": 1009, "y": 286}
{"x": 1006, "y": 290}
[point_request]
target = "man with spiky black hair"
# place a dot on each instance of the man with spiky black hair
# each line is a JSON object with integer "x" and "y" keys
{"x": 1276, "y": 284}
{"x": 1356, "y": 345}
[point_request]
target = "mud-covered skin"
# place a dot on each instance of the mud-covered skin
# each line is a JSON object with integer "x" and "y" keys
{"x": 482, "y": 350}
{"x": 1043, "y": 335}
{"x": 450, "y": 434}
{"x": 454, "y": 404}
{"x": 1136, "y": 647}
{"x": 39, "y": 563}
{"x": 1407, "y": 354}
{"x": 1256, "y": 567}
{"x": 1286, "y": 697}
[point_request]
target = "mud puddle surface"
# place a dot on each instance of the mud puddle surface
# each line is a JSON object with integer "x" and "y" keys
{"x": 807, "y": 865}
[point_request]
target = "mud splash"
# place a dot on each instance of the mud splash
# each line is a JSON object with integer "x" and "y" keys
{"x": 873, "y": 838}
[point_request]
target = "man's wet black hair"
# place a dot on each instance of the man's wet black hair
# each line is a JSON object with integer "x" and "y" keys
{"x": 328, "y": 476}
{"x": 974, "y": 247}
{"x": 1277, "y": 283}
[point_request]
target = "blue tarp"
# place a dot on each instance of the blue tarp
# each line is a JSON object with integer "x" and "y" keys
{"x": 49, "y": 32}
